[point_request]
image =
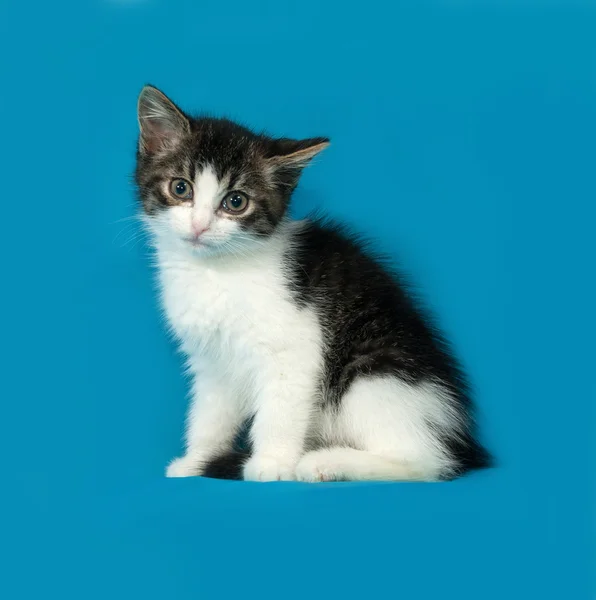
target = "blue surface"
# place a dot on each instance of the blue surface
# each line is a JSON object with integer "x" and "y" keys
{"x": 464, "y": 141}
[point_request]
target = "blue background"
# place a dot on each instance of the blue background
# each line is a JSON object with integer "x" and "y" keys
{"x": 464, "y": 142}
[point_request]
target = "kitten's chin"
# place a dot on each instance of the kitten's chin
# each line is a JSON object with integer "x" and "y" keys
{"x": 201, "y": 248}
{"x": 195, "y": 244}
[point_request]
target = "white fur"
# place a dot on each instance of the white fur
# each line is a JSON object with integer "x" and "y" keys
{"x": 387, "y": 420}
{"x": 252, "y": 351}
{"x": 342, "y": 463}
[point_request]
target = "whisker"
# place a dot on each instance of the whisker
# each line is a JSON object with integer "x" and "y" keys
{"x": 124, "y": 231}
{"x": 133, "y": 240}
{"x": 135, "y": 218}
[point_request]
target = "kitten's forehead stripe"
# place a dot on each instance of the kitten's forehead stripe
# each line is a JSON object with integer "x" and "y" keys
{"x": 207, "y": 188}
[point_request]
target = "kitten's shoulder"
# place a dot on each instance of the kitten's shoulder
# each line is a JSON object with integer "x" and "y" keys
{"x": 321, "y": 236}
{"x": 324, "y": 256}
{"x": 321, "y": 243}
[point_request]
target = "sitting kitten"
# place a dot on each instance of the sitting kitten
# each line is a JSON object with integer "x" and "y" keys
{"x": 289, "y": 327}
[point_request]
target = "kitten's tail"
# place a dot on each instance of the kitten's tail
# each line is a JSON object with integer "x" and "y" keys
{"x": 227, "y": 466}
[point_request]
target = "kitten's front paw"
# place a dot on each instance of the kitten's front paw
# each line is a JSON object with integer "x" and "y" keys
{"x": 185, "y": 466}
{"x": 315, "y": 467}
{"x": 266, "y": 468}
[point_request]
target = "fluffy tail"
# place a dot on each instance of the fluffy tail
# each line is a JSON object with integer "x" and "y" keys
{"x": 227, "y": 466}
{"x": 468, "y": 455}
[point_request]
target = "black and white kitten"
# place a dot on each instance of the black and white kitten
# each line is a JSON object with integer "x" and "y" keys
{"x": 289, "y": 327}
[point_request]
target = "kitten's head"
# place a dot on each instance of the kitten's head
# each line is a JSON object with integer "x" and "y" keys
{"x": 210, "y": 185}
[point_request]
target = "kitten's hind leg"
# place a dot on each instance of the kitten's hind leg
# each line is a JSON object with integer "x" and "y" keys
{"x": 347, "y": 464}
{"x": 386, "y": 429}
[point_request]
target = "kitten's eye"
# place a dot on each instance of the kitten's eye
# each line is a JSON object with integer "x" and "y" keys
{"x": 181, "y": 189}
{"x": 235, "y": 202}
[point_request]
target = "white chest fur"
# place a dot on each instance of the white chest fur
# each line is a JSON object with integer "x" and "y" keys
{"x": 237, "y": 311}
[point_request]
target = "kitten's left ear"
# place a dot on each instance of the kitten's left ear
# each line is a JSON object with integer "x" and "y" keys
{"x": 161, "y": 122}
{"x": 294, "y": 154}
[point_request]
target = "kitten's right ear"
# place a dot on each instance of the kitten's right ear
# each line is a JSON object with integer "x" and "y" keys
{"x": 161, "y": 122}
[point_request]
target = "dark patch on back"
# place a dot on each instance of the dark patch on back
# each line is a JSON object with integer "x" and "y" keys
{"x": 373, "y": 327}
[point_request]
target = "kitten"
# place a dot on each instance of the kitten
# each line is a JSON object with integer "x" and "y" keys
{"x": 289, "y": 327}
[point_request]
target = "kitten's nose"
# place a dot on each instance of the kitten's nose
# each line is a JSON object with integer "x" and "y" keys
{"x": 197, "y": 229}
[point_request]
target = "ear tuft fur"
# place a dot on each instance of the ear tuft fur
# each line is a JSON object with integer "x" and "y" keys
{"x": 161, "y": 122}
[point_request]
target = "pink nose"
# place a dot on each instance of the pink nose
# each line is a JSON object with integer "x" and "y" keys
{"x": 198, "y": 229}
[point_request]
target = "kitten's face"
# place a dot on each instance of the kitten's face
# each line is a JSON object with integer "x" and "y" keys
{"x": 211, "y": 186}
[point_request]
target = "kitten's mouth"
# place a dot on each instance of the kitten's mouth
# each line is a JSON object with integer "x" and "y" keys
{"x": 196, "y": 242}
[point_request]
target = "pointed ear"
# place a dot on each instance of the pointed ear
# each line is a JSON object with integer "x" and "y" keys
{"x": 296, "y": 154}
{"x": 161, "y": 122}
